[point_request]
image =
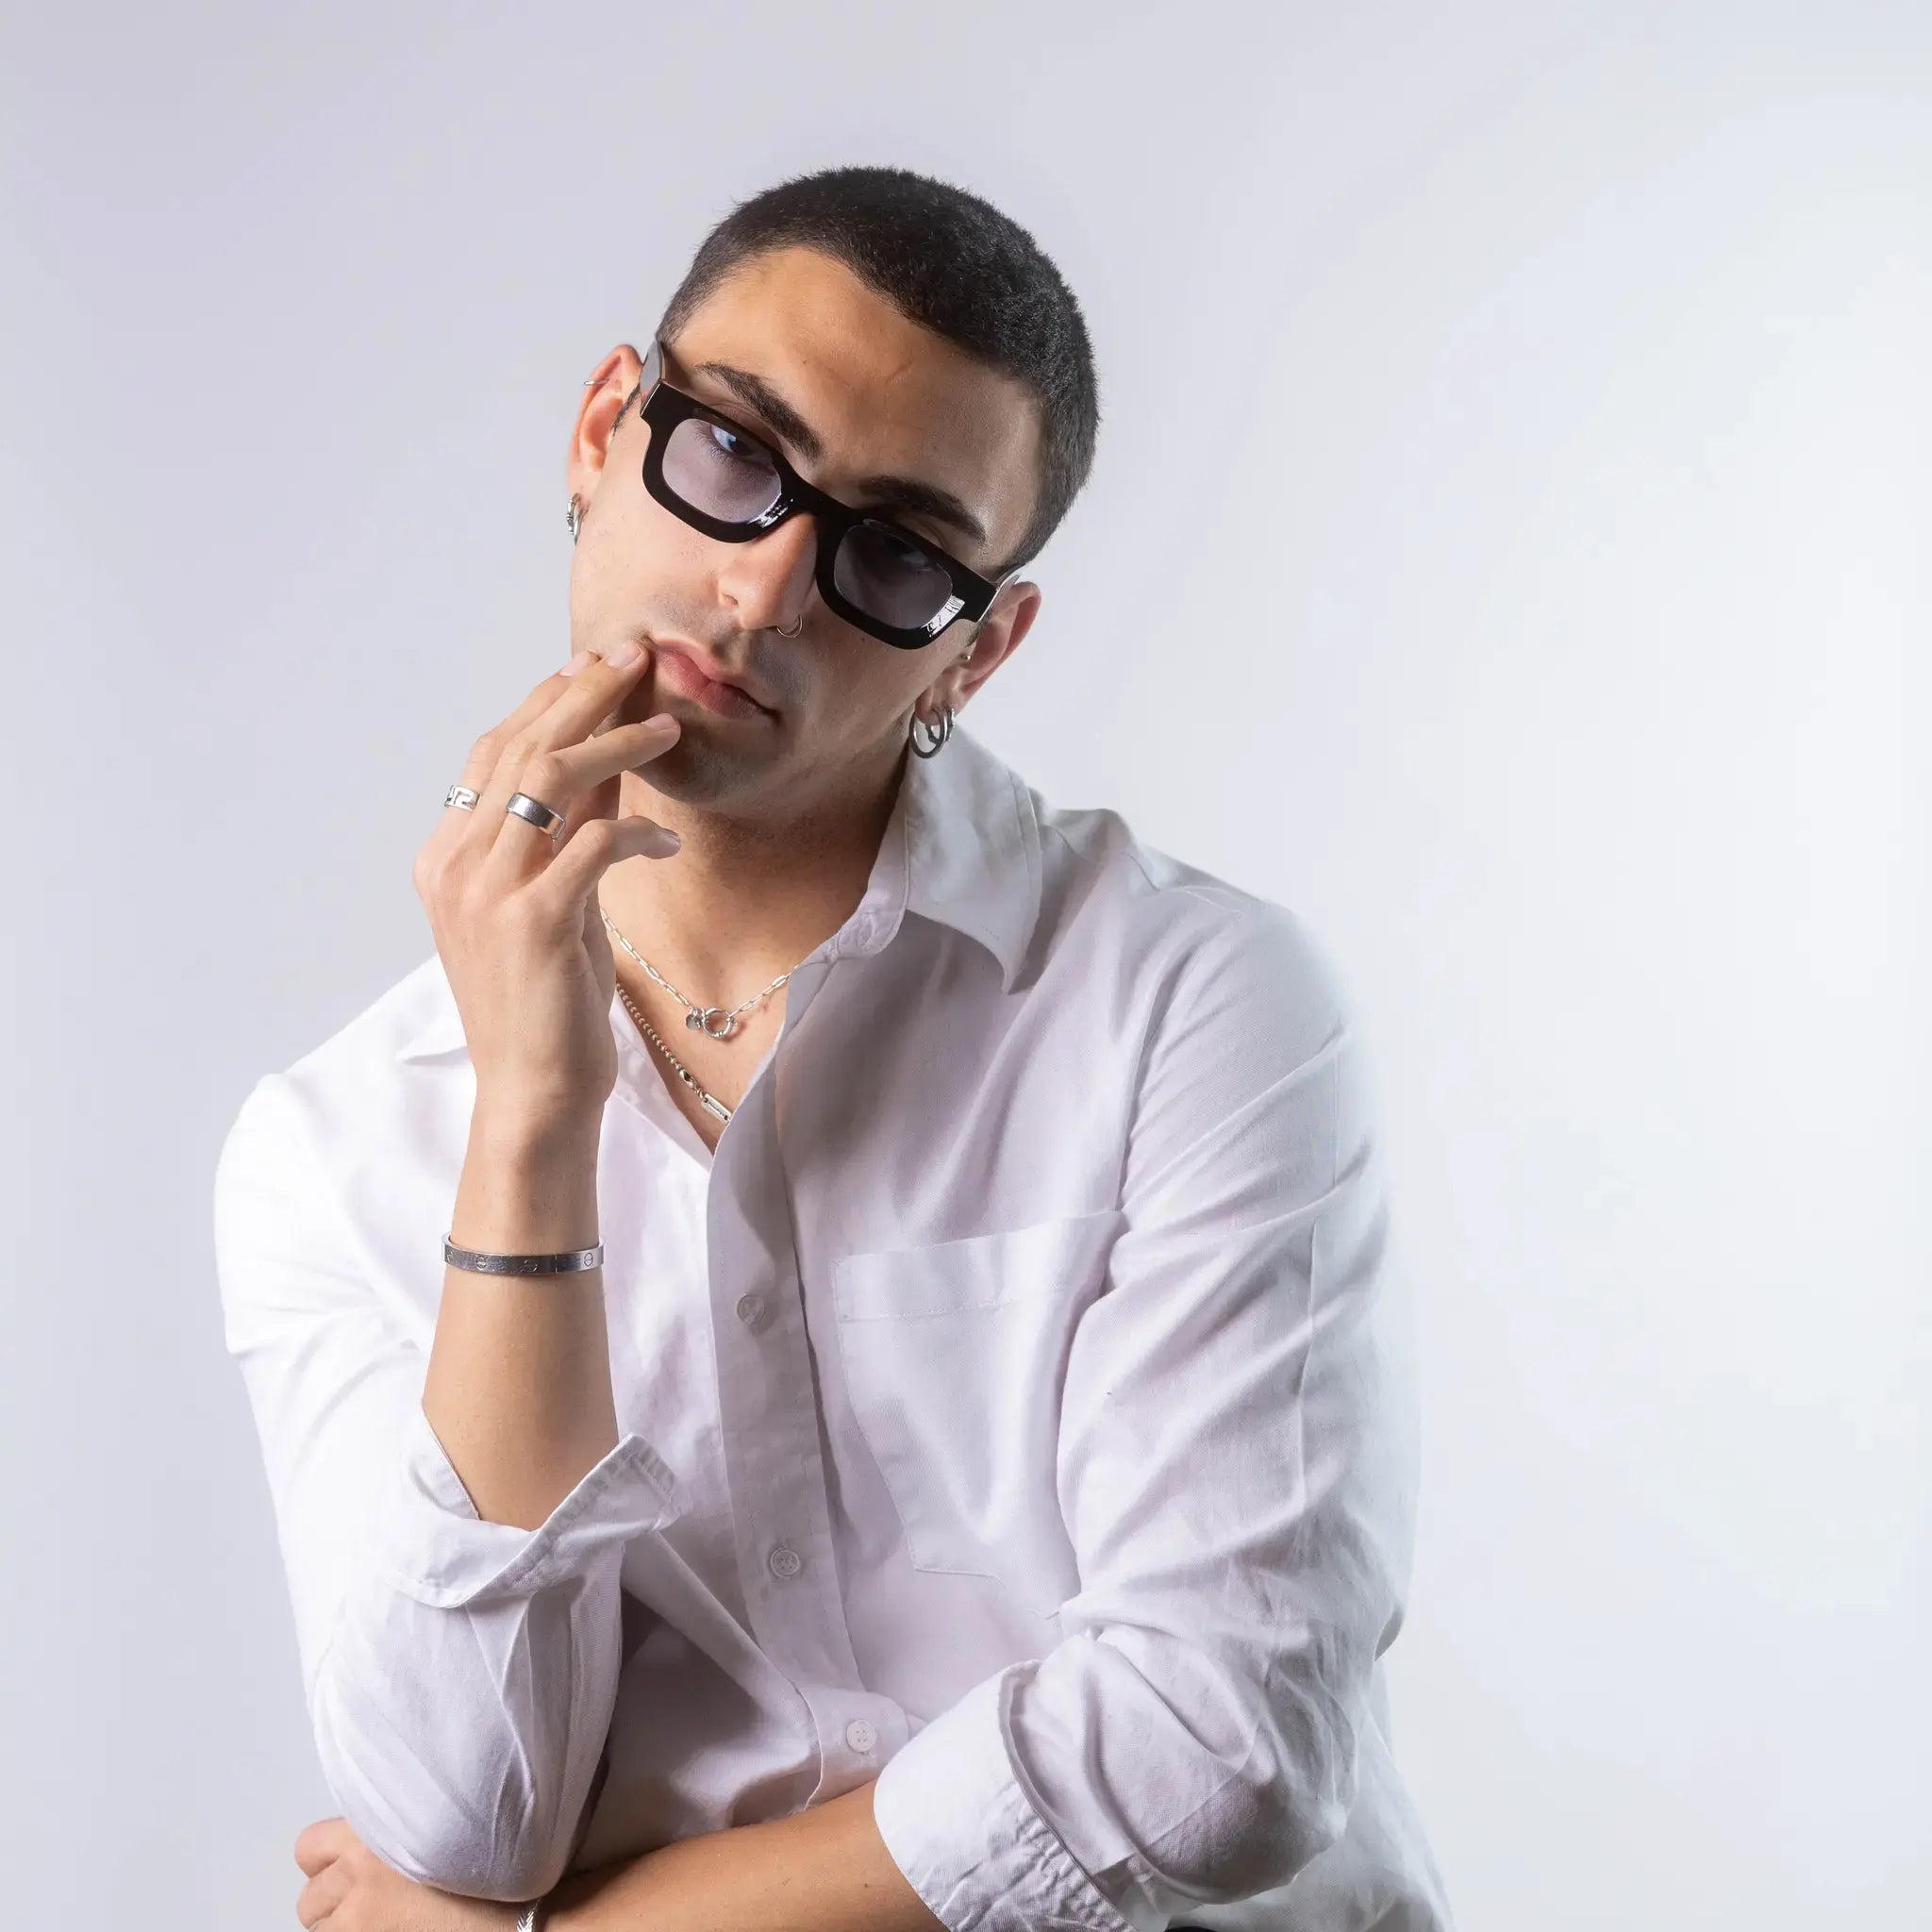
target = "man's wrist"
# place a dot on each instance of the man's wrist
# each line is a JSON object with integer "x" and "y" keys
{"x": 526, "y": 1188}
{"x": 511, "y": 1125}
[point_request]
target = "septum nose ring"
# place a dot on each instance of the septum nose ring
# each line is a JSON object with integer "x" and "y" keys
{"x": 794, "y": 630}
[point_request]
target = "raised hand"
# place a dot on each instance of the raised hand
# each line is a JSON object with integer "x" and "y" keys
{"x": 514, "y": 909}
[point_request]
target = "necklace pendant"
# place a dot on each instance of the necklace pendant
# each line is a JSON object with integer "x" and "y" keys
{"x": 699, "y": 1019}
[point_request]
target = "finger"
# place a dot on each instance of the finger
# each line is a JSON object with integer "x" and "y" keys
{"x": 600, "y": 765}
{"x": 488, "y": 749}
{"x": 590, "y": 697}
{"x": 589, "y": 775}
{"x": 602, "y": 800}
{"x": 482, "y": 759}
{"x": 594, "y": 695}
{"x": 572, "y": 876}
{"x": 583, "y": 782}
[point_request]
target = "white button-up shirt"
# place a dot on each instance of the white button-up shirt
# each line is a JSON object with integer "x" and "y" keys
{"x": 1016, "y": 1408}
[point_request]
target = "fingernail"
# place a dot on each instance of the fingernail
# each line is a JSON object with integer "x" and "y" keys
{"x": 623, "y": 653}
{"x": 577, "y": 663}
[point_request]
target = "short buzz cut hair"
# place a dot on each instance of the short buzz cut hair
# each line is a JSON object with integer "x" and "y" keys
{"x": 954, "y": 264}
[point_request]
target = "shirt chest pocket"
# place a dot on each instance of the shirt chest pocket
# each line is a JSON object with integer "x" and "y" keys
{"x": 954, "y": 1356}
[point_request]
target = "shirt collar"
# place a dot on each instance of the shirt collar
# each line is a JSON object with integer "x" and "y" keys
{"x": 961, "y": 847}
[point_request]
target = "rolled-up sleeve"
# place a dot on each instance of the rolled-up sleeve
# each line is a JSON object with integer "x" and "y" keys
{"x": 1236, "y": 1469}
{"x": 459, "y": 1674}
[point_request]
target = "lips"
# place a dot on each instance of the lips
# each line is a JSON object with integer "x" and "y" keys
{"x": 710, "y": 668}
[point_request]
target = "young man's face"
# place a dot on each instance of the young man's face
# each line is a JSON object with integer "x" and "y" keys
{"x": 885, "y": 397}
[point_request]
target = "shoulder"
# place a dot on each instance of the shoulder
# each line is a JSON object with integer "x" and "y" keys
{"x": 1209, "y": 960}
{"x": 1249, "y": 1073}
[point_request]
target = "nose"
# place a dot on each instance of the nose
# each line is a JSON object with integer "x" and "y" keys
{"x": 767, "y": 581}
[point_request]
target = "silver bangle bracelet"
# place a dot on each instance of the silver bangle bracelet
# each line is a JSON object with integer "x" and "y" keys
{"x": 572, "y": 1261}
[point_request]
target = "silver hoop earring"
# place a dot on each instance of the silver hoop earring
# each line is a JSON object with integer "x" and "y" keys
{"x": 942, "y": 731}
{"x": 574, "y": 516}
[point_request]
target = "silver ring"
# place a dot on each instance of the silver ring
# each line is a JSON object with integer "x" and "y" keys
{"x": 537, "y": 812}
{"x": 460, "y": 795}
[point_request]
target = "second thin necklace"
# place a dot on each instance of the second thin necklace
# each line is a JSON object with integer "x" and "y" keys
{"x": 713, "y": 1022}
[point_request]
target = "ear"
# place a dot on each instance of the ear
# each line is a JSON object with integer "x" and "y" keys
{"x": 1009, "y": 618}
{"x": 604, "y": 397}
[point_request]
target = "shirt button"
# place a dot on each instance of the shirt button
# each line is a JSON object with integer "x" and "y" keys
{"x": 785, "y": 1562}
{"x": 861, "y": 1735}
{"x": 750, "y": 1306}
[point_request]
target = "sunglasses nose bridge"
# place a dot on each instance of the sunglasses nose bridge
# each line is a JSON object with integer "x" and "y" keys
{"x": 796, "y": 525}
{"x": 769, "y": 577}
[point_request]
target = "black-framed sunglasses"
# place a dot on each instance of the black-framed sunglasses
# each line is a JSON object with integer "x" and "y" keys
{"x": 720, "y": 478}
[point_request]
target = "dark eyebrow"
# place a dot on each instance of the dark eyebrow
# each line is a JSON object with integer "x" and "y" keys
{"x": 908, "y": 493}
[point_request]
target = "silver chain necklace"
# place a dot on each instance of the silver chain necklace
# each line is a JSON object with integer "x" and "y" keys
{"x": 715, "y": 1023}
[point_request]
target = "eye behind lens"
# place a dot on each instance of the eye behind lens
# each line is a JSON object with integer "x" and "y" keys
{"x": 718, "y": 471}
{"x": 889, "y": 578}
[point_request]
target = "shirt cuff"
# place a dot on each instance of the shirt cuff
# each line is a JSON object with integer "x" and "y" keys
{"x": 961, "y": 1822}
{"x": 436, "y": 1548}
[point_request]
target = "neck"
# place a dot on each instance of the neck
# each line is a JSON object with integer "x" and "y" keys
{"x": 748, "y": 896}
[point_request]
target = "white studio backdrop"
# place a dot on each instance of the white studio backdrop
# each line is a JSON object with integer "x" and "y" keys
{"x": 1507, "y": 547}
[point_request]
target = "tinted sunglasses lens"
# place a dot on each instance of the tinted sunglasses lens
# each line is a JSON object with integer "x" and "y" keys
{"x": 719, "y": 472}
{"x": 889, "y": 578}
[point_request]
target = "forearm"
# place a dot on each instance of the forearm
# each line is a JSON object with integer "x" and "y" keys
{"x": 518, "y": 1387}
{"x": 823, "y": 1869}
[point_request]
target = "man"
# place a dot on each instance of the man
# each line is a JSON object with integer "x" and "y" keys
{"x": 840, "y": 1372}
